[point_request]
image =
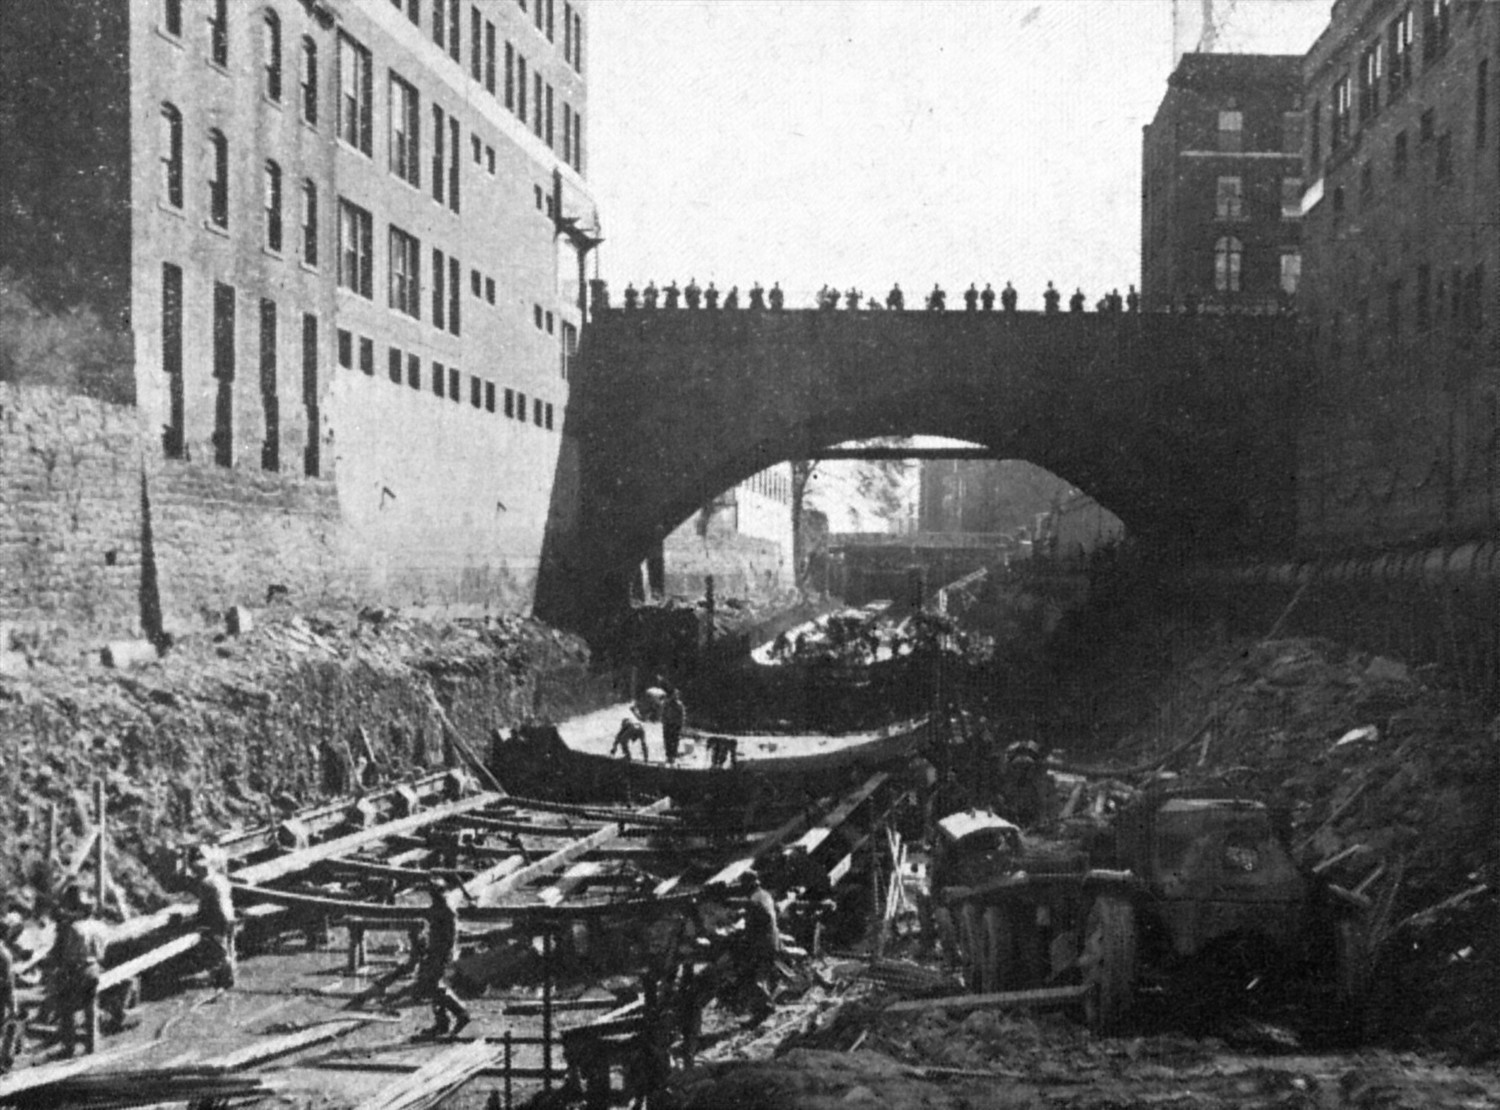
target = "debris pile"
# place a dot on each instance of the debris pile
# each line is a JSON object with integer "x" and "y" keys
{"x": 233, "y": 730}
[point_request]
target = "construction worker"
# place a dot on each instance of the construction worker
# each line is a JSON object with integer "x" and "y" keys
{"x": 631, "y": 731}
{"x": 1026, "y": 785}
{"x": 216, "y": 922}
{"x": 760, "y": 945}
{"x": 673, "y": 718}
{"x": 78, "y": 958}
{"x": 449, "y": 1015}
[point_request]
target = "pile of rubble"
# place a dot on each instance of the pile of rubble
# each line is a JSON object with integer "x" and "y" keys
{"x": 238, "y": 728}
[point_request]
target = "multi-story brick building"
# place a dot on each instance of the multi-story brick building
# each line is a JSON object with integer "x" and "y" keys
{"x": 1402, "y": 241}
{"x": 345, "y": 238}
{"x": 1221, "y": 186}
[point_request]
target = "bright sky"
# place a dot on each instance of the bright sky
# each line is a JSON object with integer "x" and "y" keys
{"x": 861, "y": 142}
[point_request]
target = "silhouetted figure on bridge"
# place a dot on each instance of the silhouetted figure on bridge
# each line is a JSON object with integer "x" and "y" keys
{"x": 632, "y": 298}
{"x": 1008, "y": 298}
{"x": 1114, "y": 302}
{"x": 1051, "y": 300}
{"x": 852, "y": 299}
{"x": 937, "y": 299}
{"x": 757, "y": 297}
{"x": 1133, "y": 300}
{"x": 971, "y": 298}
{"x": 895, "y": 300}
{"x": 1075, "y": 302}
{"x": 692, "y": 293}
{"x": 673, "y": 294}
{"x": 710, "y": 297}
{"x": 987, "y": 298}
{"x": 778, "y": 298}
{"x": 732, "y": 298}
{"x": 599, "y": 294}
{"x": 649, "y": 294}
{"x": 828, "y": 298}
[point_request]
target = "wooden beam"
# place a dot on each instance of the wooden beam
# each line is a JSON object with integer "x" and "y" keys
{"x": 1041, "y": 996}
{"x": 571, "y": 880}
{"x": 819, "y": 833}
{"x": 773, "y": 839}
{"x": 264, "y": 1050}
{"x": 445, "y": 1072}
{"x": 343, "y": 845}
{"x": 147, "y": 960}
{"x": 27, "y": 1079}
{"x": 368, "y": 869}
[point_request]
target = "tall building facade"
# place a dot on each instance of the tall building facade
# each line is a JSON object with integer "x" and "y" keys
{"x": 1221, "y": 186}
{"x": 743, "y": 538}
{"x": 345, "y": 238}
{"x": 1402, "y": 236}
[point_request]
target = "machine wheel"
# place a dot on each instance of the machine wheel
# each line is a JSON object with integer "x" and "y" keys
{"x": 1000, "y": 950}
{"x": 971, "y": 940}
{"x": 1108, "y": 962}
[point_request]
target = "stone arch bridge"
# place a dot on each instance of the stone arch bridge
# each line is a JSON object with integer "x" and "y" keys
{"x": 1183, "y": 426}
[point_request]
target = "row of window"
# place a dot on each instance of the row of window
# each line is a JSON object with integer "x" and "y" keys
{"x": 1229, "y": 265}
{"x": 1386, "y": 69}
{"x": 444, "y": 381}
{"x": 174, "y": 433}
{"x": 447, "y": 30}
{"x": 1428, "y": 138}
{"x": 1229, "y": 198}
{"x": 1454, "y": 300}
{"x": 770, "y": 483}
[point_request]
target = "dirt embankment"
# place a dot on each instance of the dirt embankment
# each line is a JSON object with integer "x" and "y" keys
{"x": 229, "y": 731}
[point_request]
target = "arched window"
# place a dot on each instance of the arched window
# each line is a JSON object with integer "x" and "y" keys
{"x": 271, "y": 46}
{"x": 310, "y": 81}
{"x": 1228, "y": 252}
{"x": 171, "y": 154}
{"x": 218, "y": 184}
{"x": 273, "y": 206}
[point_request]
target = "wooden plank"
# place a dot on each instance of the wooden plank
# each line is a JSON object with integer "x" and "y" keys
{"x": 264, "y": 1050}
{"x": 81, "y": 853}
{"x": 445, "y": 1072}
{"x": 343, "y": 845}
{"x": 571, "y": 880}
{"x": 26, "y": 1079}
{"x": 771, "y": 840}
{"x": 369, "y": 869}
{"x": 1041, "y": 996}
{"x": 382, "y": 1067}
{"x": 147, "y": 960}
{"x": 333, "y": 907}
{"x": 820, "y": 832}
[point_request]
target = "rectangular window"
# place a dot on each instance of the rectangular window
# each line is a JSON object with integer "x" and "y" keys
{"x": 521, "y": 85}
{"x": 273, "y": 206}
{"x": 476, "y": 284}
{"x": 521, "y": 407}
{"x": 1315, "y": 139}
{"x": 439, "y": 295}
{"x": 568, "y": 349}
{"x": 476, "y": 392}
{"x": 1399, "y": 39}
{"x": 1427, "y": 126}
{"x": 538, "y": 108}
{"x": 568, "y": 33}
{"x": 536, "y": 13}
{"x": 1437, "y": 26}
{"x": 1445, "y": 158}
{"x": 356, "y": 94}
{"x": 1229, "y": 199}
{"x": 395, "y": 362}
{"x": 455, "y": 31}
{"x": 1231, "y": 131}
{"x": 489, "y": 160}
{"x": 440, "y": 22}
{"x": 439, "y": 379}
{"x": 1399, "y": 156}
{"x": 547, "y": 415}
{"x": 271, "y": 50}
{"x": 414, "y": 371}
{"x": 510, "y": 403}
{"x": 171, "y": 17}
{"x": 224, "y": 374}
{"x": 1424, "y": 295}
{"x": 218, "y": 184}
{"x": 549, "y": 323}
{"x": 439, "y": 157}
{"x": 406, "y": 270}
{"x": 489, "y": 290}
{"x": 551, "y": 27}
{"x": 406, "y": 122}
{"x": 476, "y": 44}
{"x": 310, "y": 222}
{"x": 577, "y": 140}
{"x": 171, "y": 155}
{"x": 549, "y": 116}
{"x": 367, "y": 356}
{"x": 476, "y": 147}
{"x": 455, "y": 156}
{"x": 510, "y": 77}
{"x": 578, "y": 42}
{"x": 567, "y": 136}
{"x": 1343, "y": 113}
{"x": 356, "y": 236}
{"x": 270, "y": 400}
{"x": 455, "y": 384}
{"x": 312, "y": 458}
{"x": 1291, "y": 271}
{"x": 455, "y": 292}
{"x": 1291, "y": 198}
{"x": 1481, "y": 102}
{"x": 489, "y": 396}
{"x": 346, "y": 349}
{"x": 218, "y": 32}
{"x": 310, "y": 81}
{"x": 489, "y": 57}
{"x": 173, "y": 440}
{"x": 1370, "y": 64}
{"x": 536, "y": 411}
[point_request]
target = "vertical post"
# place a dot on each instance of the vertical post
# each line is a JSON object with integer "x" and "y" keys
{"x": 547, "y": 1009}
{"x": 709, "y": 604}
{"x": 101, "y": 880}
{"x": 508, "y": 1064}
{"x": 51, "y": 844}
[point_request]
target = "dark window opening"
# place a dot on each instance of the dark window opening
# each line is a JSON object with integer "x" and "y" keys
{"x": 346, "y": 349}
{"x": 455, "y": 293}
{"x": 310, "y": 222}
{"x": 171, "y": 16}
{"x": 455, "y": 383}
{"x": 489, "y": 57}
{"x": 395, "y": 363}
{"x": 489, "y": 290}
{"x": 454, "y": 159}
{"x": 439, "y": 379}
{"x": 218, "y": 32}
{"x": 218, "y": 184}
{"x": 510, "y": 77}
{"x": 272, "y": 46}
{"x": 367, "y": 356}
{"x": 273, "y": 207}
{"x": 489, "y": 396}
{"x": 439, "y": 296}
{"x": 414, "y": 371}
{"x": 310, "y": 81}
{"x": 356, "y": 94}
{"x": 510, "y": 403}
{"x": 312, "y": 460}
{"x": 224, "y": 374}
{"x": 171, "y": 154}
{"x": 547, "y": 414}
{"x": 536, "y": 411}
{"x": 439, "y": 160}
{"x": 173, "y": 435}
{"x": 476, "y": 392}
{"x": 356, "y": 249}
{"x": 270, "y": 401}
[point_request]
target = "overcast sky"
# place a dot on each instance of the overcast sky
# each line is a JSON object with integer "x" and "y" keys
{"x": 861, "y": 142}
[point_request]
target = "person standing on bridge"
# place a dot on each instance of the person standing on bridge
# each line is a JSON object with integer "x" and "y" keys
{"x": 778, "y": 298}
{"x": 852, "y": 299}
{"x": 692, "y": 293}
{"x": 1051, "y": 300}
{"x": 971, "y": 298}
{"x": 1075, "y": 302}
{"x": 649, "y": 296}
{"x": 732, "y": 299}
{"x": 987, "y": 298}
{"x": 1008, "y": 298}
{"x": 711, "y": 297}
{"x": 757, "y": 297}
{"x": 672, "y": 294}
{"x": 1133, "y": 300}
{"x": 632, "y": 297}
{"x": 937, "y": 299}
{"x": 895, "y": 300}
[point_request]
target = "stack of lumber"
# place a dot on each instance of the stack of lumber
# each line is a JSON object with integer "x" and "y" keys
{"x": 435, "y": 1080}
